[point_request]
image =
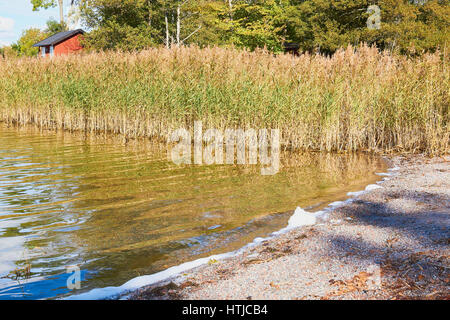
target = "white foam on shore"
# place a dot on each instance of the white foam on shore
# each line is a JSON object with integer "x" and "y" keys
{"x": 371, "y": 187}
{"x": 356, "y": 194}
{"x": 336, "y": 204}
{"x": 300, "y": 218}
{"x": 384, "y": 174}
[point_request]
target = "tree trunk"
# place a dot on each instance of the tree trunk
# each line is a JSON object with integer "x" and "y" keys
{"x": 61, "y": 12}
{"x": 167, "y": 30}
{"x": 178, "y": 24}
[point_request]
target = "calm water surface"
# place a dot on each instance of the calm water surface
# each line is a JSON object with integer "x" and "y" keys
{"x": 119, "y": 211}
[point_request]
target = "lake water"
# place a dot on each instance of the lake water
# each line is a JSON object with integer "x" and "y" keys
{"x": 119, "y": 210}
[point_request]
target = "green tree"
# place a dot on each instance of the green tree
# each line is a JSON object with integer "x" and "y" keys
{"x": 407, "y": 26}
{"x": 24, "y": 46}
{"x": 404, "y": 24}
{"x": 258, "y": 23}
{"x": 412, "y": 27}
{"x": 118, "y": 24}
{"x": 54, "y": 27}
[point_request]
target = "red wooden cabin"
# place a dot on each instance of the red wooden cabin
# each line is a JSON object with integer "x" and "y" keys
{"x": 65, "y": 42}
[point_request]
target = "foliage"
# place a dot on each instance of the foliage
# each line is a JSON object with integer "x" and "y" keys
{"x": 118, "y": 24}
{"x": 44, "y": 4}
{"x": 407, "y": 26}
{"x": 258, "y": 24}
{"x": 54, "y": 27}
{"x": 24, "y": 46}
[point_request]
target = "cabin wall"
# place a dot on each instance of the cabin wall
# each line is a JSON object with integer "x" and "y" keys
{"x": 69, "y": 46}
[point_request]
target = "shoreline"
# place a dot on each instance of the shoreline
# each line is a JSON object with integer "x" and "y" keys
{"x": 389, "y": 242}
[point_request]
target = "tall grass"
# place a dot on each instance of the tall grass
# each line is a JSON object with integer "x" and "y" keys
{"x": 358, "y": 99}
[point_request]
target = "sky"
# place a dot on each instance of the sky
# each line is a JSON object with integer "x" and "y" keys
{"x": 18, "y": 15}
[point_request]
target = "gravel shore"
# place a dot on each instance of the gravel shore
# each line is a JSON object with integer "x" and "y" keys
{"x": 389, "y": 243}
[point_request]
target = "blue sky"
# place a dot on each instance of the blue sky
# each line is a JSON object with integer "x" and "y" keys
{"x": 18, "y": 15}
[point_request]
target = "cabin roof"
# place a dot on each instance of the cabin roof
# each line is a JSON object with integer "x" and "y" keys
{"x": 57, "y": 38}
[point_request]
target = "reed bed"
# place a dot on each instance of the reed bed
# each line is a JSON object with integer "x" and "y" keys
{"x": 359, "y": 99}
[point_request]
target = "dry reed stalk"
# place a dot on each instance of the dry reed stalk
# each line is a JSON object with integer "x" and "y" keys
{"x": 359, "y": 99}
